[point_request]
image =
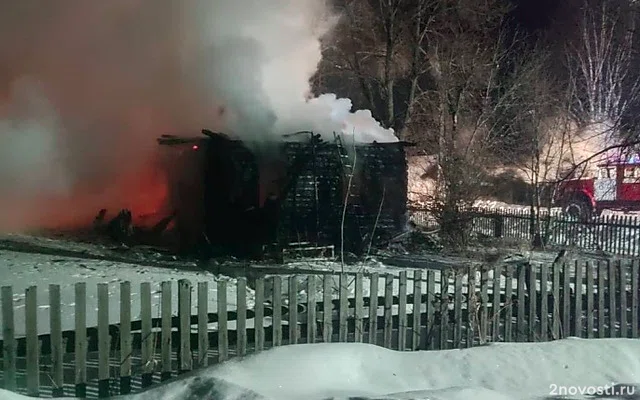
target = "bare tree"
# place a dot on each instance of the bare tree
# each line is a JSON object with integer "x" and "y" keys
{"x": 379, "y": 45}
{"x": 602, "y": 65}
{"x": 469, "y": 54}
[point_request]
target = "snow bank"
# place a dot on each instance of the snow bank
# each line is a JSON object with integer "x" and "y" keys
{"x": 345, "y": 370}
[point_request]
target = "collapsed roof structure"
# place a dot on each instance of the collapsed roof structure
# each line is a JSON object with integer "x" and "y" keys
{"x": 235, "y": 197}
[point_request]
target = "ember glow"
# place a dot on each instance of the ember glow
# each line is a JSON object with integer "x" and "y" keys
{"x": 86, "y": 87}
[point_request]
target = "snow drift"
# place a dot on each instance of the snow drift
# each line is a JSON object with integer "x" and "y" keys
{"x": 349, "y": 370}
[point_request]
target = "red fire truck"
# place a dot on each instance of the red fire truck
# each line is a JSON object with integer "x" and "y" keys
{"x": 616, "y": 186}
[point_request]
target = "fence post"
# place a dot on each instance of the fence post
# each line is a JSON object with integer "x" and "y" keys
{"x": 508, "y": 304}
{"x": 259, "y": 315}
{"x": 544, "y": 302}
{"x": 373, "y": 308}
{"x": 311, "y": 309}
{"x": 167, "y": 327}
{"x": 80, "y": 339}
{"x": 359, "y": 309}
{"x": 402, "y": 311}
{"x": 8, "y": 339}
{"x": 103, "y": 340}
{"x": 430, "y": 309}
{"x": 601, "y": 298}
{"x": 241, "y": 325}
{"x": 444, "y": 309}
{"x": 344, "y": 308}
{"x": 277, "y": 311}
{"x": 33, "y": 356}
{"x": 579, "y": 276}
{"x": 146, "y": 342}
{"x": 185, "y": 361}
{"x": 126, "y": 343}
{"x": 484, "y": 306}
{"x": 417, "y": 302}
{"x": 495, "y": 303}
{"x": 57, "y": 352}
{"x": 203, "y": 324}
{"x": 293, "y": 310}
{"x": 327, "y": 309}
{"x": 520, "y": 321}
{"x": 589, "y": 295}
{"x": 623, "y": 299}
{"x": 612, "y": 298}
{"x": 223, "y": 332}
{"x": 388, "y": 317}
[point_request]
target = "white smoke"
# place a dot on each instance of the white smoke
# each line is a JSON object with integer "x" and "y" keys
{"x": 86, "y": 87}
{"x": 258, "y": 60}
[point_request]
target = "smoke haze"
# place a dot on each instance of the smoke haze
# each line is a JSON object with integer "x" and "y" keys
{"x": 86, "y": 87}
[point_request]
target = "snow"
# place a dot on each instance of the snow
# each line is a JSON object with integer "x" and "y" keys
{"x": 21, "y": 270}
{"x": 498, "y": 371}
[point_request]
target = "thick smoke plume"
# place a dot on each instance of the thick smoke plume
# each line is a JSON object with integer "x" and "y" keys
{"x": 86, "y": 87}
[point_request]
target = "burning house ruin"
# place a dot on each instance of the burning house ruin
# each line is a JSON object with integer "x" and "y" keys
{"x": 238, "y": 197}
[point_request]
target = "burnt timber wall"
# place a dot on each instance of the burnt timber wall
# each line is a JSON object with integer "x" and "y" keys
{"x": 377, "y": 196}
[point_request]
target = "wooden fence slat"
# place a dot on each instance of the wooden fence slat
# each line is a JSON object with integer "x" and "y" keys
{"x": 520, "y": 313}
{"x": 508, "y": 304}
{"x": 533, "y": 301}
{"x": 57, "y": 351}
{"x": 311, "y": 308}
{"x": 484, "y": 307}
{"x": 203, "y": 324}
{"x": 611, "y": 267}
{"x": 103, "y": 340}
{"x": 635, "y": 301}
{"x": 444, "y": 309}
{"x": 327, "y": 309}
{"x": 223, "y": 329}
{"x": 566, "y": 299}
{"x": 359, "y": 309}
{"x": 344, "y": 308}
{"x": 126, "y": 342}
{"x": 80, "y": 345}
{"x": 373, "y": 308}
{"x": 185, "y": 360}
{"x": 430, "y": 310}
{"x": 277, "y": 310}
{"x": 402, "y": 311}
{"x": 293, "y": 310}
{"x": 388, "y": 307}
{"x": 622, "y": 273}
{"x": 472, "y": 306}
{"x": 259, "y": 318}
{"x": 33, "y": 356}
{"x": 578, "y": 321}
{"x": 147, "y": 337}
{"x": 601, "y": 297}
{"x": 416, "y": 328}
{"x": 589, "y": 296}
{"x": 544, "y": 302}
{"x": 457, "y": 311}
{"x": 241, "y": 323}
{"x": 495, "y": 303}
{"x": 166, "y": 327}
{"x": 9, "y": 348}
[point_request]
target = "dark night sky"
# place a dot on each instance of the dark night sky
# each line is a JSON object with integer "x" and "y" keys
{"x": 535, "y": 15}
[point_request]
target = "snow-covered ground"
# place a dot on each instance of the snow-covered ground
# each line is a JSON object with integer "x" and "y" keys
{"x": 579, "y": 368}
{"x": 21, "y": 270}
